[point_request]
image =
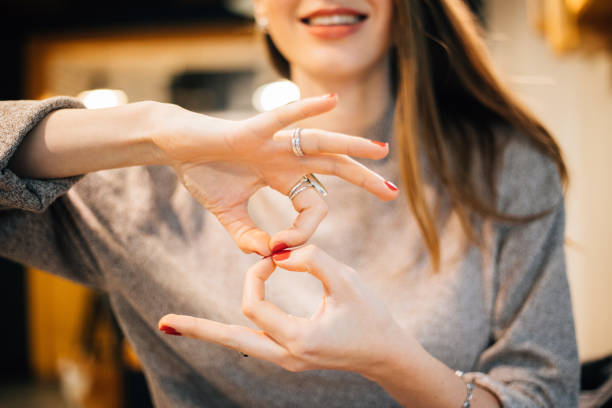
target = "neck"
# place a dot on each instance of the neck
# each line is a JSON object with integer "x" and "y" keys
{"x": 362, "y": 100}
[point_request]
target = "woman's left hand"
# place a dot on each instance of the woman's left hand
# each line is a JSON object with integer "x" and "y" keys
{"x": 351, "y": 330}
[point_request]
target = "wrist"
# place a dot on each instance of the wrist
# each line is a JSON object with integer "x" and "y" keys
{"x": 177, "y": 135}
{"x": 415, "y": 378}
{"x": 151, "y": 123}
{"x": 398, "y": 360}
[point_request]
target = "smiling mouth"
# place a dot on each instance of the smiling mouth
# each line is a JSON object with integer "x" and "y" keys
{"x": 330, "y": 20}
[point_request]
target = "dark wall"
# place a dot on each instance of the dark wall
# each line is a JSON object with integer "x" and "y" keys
{"x": 14, "y": 358}
{"x": 22, "y": 18}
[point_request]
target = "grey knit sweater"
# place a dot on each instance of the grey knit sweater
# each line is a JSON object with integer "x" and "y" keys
{"x": 502, "y": 313}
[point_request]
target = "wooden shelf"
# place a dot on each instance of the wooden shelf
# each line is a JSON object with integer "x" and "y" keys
{"x": 578, "y": 6}
{"x": 572, "y": 24}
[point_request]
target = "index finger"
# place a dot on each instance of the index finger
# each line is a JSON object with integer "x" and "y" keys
{"x": 243, "y": 230}
{"x": 272, "y": 121}
{"x": 266, "y": 315}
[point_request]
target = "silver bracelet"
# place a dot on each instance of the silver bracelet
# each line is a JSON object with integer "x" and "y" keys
{"x": 470, "y": 389}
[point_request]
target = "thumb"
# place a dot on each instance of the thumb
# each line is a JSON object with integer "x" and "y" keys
{"x": 244, "y": 231}
{"x": 336, "y": 277}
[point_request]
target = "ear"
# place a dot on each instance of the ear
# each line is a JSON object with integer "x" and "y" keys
{"x": 258, "y": 9}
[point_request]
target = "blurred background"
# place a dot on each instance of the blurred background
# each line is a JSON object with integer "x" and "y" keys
{"x": 61, "y": 346}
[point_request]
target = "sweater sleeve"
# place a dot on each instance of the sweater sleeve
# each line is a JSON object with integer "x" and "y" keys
{"x": 38, "y": 225}
{"x": 17, "y": 119}
{"x": 532, "y": 359}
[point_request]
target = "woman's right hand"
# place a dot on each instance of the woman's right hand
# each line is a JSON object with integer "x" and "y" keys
{"x": 223, "y": 163}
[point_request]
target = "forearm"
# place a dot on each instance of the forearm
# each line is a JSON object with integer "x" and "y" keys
{"x": 70, "y": 142}
{"x": 416, "y": 379}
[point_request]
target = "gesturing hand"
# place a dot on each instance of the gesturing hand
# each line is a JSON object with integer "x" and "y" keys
{"x": 223, "y": 163}
{"x": 351, "y": 330}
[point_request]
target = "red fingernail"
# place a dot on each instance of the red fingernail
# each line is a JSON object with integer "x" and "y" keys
{"x": 329, "y": 95}
{"x": 381, "y": 144}
{"x": 281, "y": 256}
{"x": 279, "y": 247}
{"x": 391, "y": 186}
{"x": 170, "y": 330}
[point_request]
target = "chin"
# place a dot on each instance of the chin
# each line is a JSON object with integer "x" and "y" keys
{"x": 336, "y": 63}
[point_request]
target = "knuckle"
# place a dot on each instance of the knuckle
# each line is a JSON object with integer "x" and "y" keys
{"x": 335, "y": 168}
{"x": 279, "y": 116}
{"x": 303, "y": 347}
{"x": 310, "y": 252}
{"x": 350, "y": 150}
{"x": 248, "y": 310}
{"x": 190, "y": 325}
{"x": 294, "y": 366}
{"x": 323, "y": 209}
{"x": 301, "y": 236}
{"x": 318, "y": 144}
{"x": 350, "y": 277}
{"x": 226, "y": 338}
{"x": 364, "y": 181}
{"x": 284, "y": 357}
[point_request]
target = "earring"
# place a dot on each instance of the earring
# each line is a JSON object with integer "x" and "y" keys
{"x": 262, "y": 23}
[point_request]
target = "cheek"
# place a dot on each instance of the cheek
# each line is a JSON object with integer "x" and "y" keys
{"x": 384, "y": 22}
{"x": 283, "y": 27}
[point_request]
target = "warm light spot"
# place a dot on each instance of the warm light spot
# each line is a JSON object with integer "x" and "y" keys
{"x": 103, "y": 98}
{"x": 271, "y": 96}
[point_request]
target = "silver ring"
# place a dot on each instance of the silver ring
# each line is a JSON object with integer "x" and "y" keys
{"x": 299, "y": 190}
{"x": 307, "y": 181}
{"x": 296, "y": 142}
{"x": 314, "y": 181}
{"x": 299, "y": 187}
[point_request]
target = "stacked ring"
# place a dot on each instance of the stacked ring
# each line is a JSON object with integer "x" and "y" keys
{"x": 307, "y": 181}
{"x": 296, "y": 142}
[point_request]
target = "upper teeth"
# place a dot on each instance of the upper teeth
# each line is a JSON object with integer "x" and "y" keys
{"x": 335, "y": 19}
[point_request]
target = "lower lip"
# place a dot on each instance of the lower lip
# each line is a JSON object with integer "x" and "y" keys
{"x": 333, "y": 32}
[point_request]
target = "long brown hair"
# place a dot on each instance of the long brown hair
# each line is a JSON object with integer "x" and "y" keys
{"x": 448, "y": 101}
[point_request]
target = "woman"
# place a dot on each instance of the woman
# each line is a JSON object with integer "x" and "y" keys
{"x": 465, "y": 272}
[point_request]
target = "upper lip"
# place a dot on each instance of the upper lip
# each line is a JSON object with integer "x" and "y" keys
{"x": 332, "y": 11}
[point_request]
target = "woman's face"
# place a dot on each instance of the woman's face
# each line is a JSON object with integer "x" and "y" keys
{"x": 332, "y": 38}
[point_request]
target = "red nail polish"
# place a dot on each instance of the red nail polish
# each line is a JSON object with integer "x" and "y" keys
{"x": 281, "y": 256}
{"x": 279, "y": 247}
{"x": 170, "y": 330}
{"x": 330, "y": 95}
{"x": 391, "y": 186}
{"x": 381, "y": 144}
